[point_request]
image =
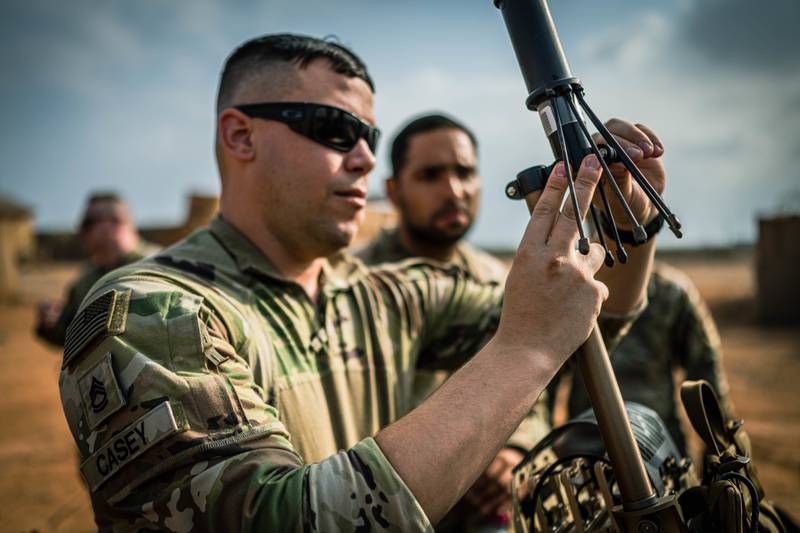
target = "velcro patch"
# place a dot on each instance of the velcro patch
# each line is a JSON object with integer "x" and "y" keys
{"x": 100, "y": 393}
{"x": 105, "y": 315}
{"x": 154, "y": 426}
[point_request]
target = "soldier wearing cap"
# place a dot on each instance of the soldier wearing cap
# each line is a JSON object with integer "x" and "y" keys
{"x": 111, "y": 240}
{"x": 253, "y": 378}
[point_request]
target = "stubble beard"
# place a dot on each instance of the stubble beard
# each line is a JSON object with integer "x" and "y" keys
{"x": 432, "y": 236}
{"x": 333, "y": 237}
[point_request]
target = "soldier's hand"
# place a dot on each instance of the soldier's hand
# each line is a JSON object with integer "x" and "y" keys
{"x": 645, "y": 149}
{"x": 491, "y": 492}
{"x": 551, "y": 296}
{"x": 48, "y": 312}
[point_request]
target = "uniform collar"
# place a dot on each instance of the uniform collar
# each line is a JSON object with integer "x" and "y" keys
{"x": 247, "y": 256}
{"x": 390, "y": 247}
{"x": 338, "y": 271}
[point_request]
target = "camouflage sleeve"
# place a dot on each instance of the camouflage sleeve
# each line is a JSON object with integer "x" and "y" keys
{"x": 174, "y": 433}
{"x": 614, "y": 326}
{"x": 696, "y": 342}
{"x": 458, "y": 314}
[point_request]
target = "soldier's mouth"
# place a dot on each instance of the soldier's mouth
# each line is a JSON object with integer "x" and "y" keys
{"x": 354, "y": 196}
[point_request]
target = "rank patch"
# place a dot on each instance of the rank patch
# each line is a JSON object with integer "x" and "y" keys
{"x": 128, "y": 444}
{"x": 100, "y": 393}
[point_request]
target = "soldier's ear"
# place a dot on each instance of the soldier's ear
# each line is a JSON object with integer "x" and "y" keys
{"x": 235, "y": 134}
{"x": 391, "y": 190}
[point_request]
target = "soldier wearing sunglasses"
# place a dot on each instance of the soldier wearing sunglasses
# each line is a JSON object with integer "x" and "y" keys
{"x": 252, "y": 377}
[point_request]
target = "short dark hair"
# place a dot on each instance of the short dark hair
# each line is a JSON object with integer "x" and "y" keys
{"x": 104, "y": 196}
{"x": 422, "y": 124}
{"x": 288, "y": 48}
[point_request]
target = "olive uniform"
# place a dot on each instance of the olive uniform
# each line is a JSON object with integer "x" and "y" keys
{"x": 387, "y": 248}
{"x": 76, "y": 292}
{"x": 206, "y": 392}
{"x": 675, "y": 332}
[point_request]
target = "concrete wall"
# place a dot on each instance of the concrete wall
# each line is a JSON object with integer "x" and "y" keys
{"x": 16, "y": 244}
{"x": 66, "y": 245}
{"x": 379, "y": 215}
{"x": 778, "y": 269}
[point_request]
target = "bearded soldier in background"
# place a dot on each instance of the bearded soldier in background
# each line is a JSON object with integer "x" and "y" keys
{"x": 435, "y": 188}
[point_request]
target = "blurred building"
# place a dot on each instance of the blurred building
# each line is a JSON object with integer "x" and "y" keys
{"x": 778, "y": 269}
{"x": 380, "y": 214}
{"x": 199, "y": 211}
{"x": 66, "y": 246}
{"x": 16, "y": 244}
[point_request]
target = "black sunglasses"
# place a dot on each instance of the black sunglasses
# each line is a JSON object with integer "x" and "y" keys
{"x": 330, "y": 126}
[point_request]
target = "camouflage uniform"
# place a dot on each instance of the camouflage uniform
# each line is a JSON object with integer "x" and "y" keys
{"x": 206, "y": 392}
{"x": 676, "y": 331}
{"x": 387, "y": 248}
{"x": 78, "y": 291}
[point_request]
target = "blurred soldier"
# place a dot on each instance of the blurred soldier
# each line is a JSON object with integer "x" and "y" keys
{"x": 110, "y": 239}
{"x": 252, "y": 378}
{"x": 435, "y": 188}
{"x": 675, "y": 333}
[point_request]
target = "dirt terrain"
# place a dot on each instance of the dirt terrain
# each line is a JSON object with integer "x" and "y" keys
{"x": 40, "y": 489}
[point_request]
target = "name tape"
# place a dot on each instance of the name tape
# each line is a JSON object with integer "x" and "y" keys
{"x": 156, "y": 425}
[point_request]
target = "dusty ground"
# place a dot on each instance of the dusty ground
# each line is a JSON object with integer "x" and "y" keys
{"x": 40, "y": 489}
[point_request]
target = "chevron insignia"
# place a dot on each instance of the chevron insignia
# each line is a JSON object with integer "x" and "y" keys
{"x": 101, "y": 395}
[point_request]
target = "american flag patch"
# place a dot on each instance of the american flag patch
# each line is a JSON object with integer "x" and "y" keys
{"x": 105, "y": 315}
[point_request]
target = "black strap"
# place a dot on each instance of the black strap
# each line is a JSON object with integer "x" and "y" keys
{"x": 651, "y": 228}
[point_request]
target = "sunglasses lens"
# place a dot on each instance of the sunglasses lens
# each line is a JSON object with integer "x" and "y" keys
{"x": 373, "y": 134}
{"x": 335, "y": 128}
{"x": 327, "y": 125}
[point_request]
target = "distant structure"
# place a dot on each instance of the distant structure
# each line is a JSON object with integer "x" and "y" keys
{"x": 379, "y": 214}
{"x": 16, "y": 244}
{"x": 778, "y": 269}
{"x": 66, "y": 246}
{"x": 200, "y": 211}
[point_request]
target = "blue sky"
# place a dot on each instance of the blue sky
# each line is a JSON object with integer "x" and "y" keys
{"x": 119, "y": 95}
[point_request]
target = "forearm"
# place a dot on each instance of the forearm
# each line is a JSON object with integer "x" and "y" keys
{"x": 551, "y": 300}
{"x": 441, "y": 447}
{"x": 534, "y": 427}
{"x": 627, "y": 284}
